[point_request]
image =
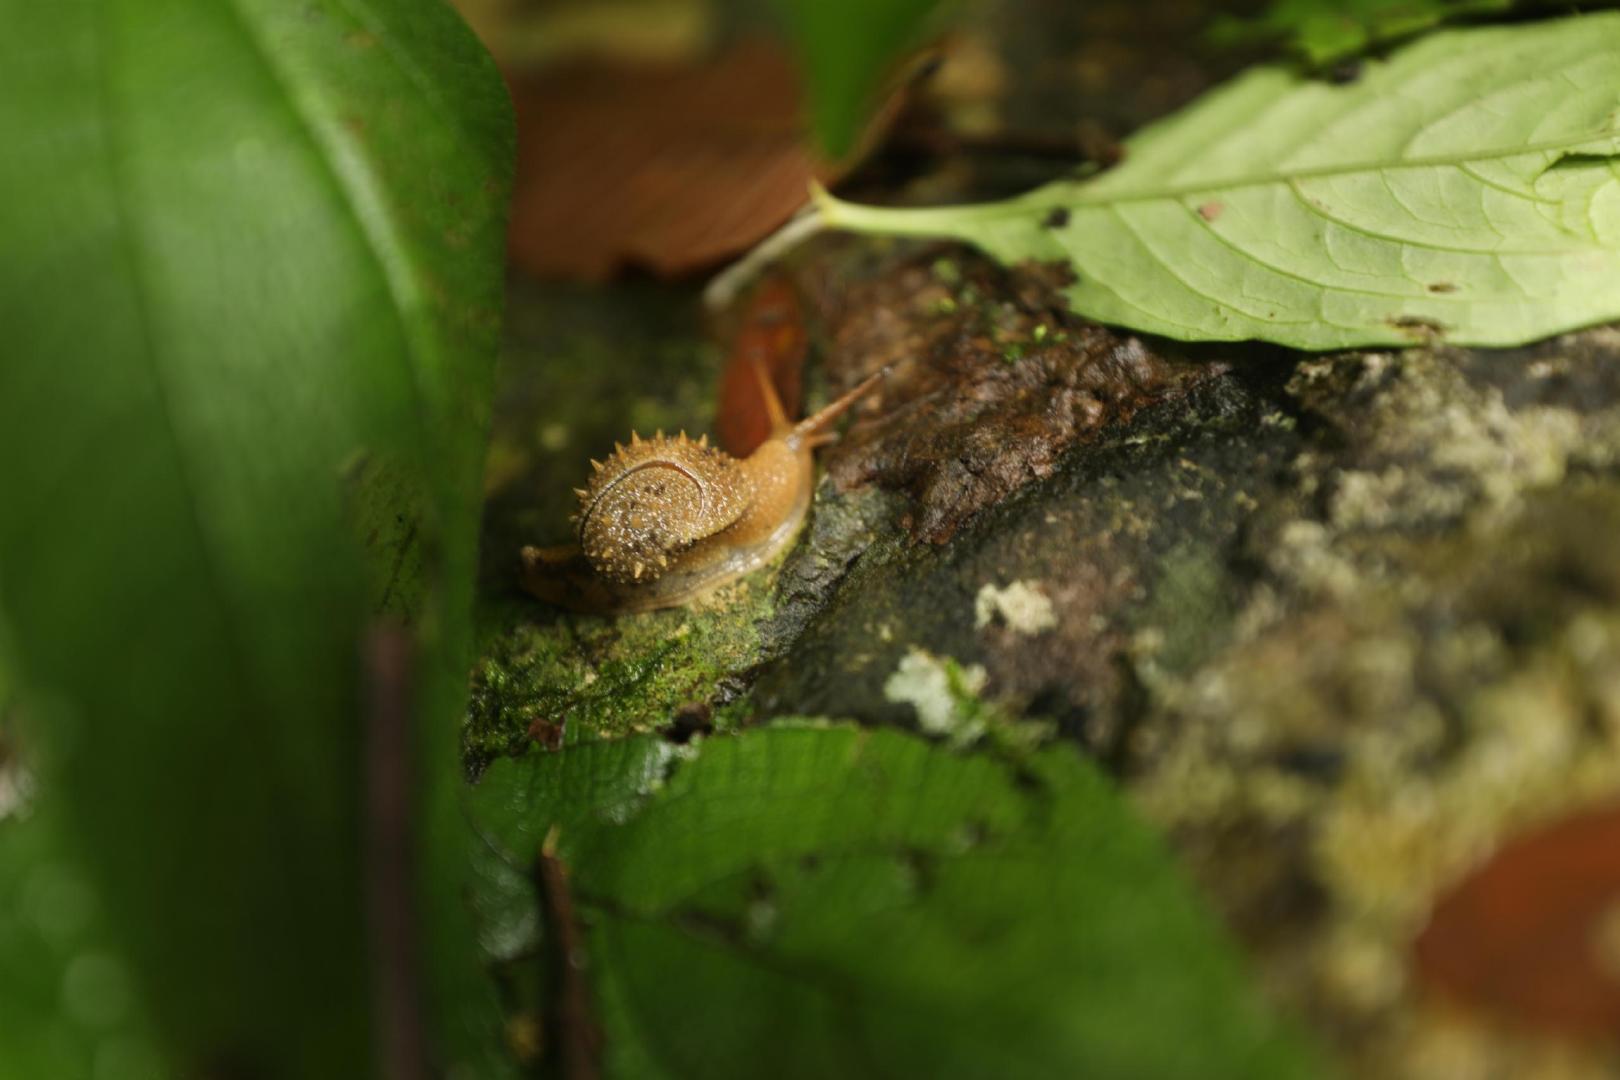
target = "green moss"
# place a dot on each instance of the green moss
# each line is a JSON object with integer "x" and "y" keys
{"x": 582, "y": 369}
{"x": 1191, "y": 607}
{"x": 574, "y": 678}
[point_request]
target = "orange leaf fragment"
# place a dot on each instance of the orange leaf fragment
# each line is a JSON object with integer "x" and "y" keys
{"x": 671, "y": 168}
{"x": 771, "y": 334}
{"x": 1524, "y": 937}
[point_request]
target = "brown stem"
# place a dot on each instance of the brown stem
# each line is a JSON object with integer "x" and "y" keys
{"x": 400, "y": 1024}
{"x": 572, "y": 1041}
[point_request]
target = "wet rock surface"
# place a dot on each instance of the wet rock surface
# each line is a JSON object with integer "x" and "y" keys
{"x": 1088, "y": 469}
{"x": 991, "y": 379}
{"x": 1341, "y": 625}
{"x": 1422, "y": 663}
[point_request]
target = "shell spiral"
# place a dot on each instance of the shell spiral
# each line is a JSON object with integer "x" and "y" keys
{"x": 654, "y": 498}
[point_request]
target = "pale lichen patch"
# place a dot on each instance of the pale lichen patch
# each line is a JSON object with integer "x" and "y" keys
{"x": 16, "y": 789}
{"x": 1022, "y": 606}
{"x": 936, "y": 687}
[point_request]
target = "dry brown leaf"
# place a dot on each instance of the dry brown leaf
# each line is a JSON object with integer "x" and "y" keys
{"x": 771, "y": 340}
{"x": 670, "y": 168}
{"x": 1528, "y": 936}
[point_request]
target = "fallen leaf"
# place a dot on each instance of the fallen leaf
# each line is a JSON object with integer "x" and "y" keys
{"x": 670, "y": 167}
{"x": 770, "y": 338}
{"x": 1524, "y": 936}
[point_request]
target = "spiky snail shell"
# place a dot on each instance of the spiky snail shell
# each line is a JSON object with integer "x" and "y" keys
{"x": 665, "y": 520}
{"x": 654, "y": 498}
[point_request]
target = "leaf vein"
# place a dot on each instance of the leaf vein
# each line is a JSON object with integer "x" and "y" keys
{"x": 1404, "y": 241}
{"x": 210, "y": 570}
{"x": 401, "y": 286}
{"x": 1189, "y": 286}
{"x": 1244, "y": 253}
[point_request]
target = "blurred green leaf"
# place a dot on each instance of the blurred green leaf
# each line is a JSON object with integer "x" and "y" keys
{"x": 251, "y": 298}
{"x": 1465, "y": 189}
{"x": 67, "y": 994}
{"x": 1323, "y": 31}
{"x": 826, "y": 901}
{"x": 847, "y": 46}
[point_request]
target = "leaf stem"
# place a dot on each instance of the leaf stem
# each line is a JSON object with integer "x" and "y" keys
{"x": 901, "y": 220}
{"x": 736, "y": 277}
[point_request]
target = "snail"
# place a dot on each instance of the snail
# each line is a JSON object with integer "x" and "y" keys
{"x": 669, "y": 519}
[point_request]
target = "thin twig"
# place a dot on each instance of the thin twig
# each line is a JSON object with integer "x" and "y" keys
{"x": 396, "y": 975}
{"x": 573, "y": 1043}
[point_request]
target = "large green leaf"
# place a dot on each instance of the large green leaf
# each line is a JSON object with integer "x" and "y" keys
{"x": 825, "y": 901}
{"x": 250, "y": 296}
{"x": 68, "y": 999}
{"x": 846, "y": 46}
{"x": 1467, "y": 187}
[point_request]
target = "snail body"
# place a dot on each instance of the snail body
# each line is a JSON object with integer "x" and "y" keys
{"x": 668, "y": 519}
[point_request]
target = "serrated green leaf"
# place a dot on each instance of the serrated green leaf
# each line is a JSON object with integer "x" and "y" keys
{"x": 1465, "y": 188}
{"x": 825, "y": 901}
{"x": 251, "y": 292}
{"x": 604, "y": 784}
